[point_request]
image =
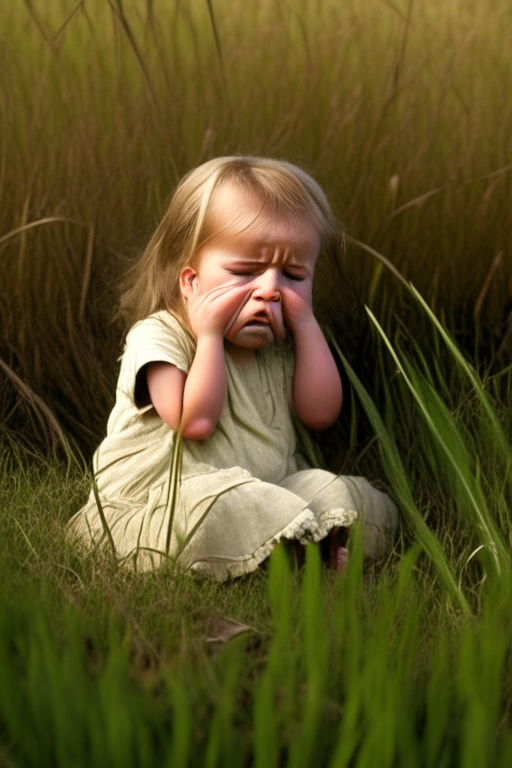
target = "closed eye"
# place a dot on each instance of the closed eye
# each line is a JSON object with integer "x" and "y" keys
{"x": 240, "y": 273}
{"x": 297, "y": 278}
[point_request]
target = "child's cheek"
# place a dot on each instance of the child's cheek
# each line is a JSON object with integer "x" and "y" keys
{"x": 247, "y": 280}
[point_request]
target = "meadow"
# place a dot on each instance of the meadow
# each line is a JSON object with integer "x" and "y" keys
{"x": 400, "y": 108}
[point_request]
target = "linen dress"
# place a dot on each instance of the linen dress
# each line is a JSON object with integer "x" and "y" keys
{"x": 241, "y": 491}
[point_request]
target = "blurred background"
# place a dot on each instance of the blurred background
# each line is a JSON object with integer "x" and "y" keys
{"x": 400, "y": 109}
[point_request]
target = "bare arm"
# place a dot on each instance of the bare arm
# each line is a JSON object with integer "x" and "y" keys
{"x": 317, "y": 389}
{"x": 198, "y": 397}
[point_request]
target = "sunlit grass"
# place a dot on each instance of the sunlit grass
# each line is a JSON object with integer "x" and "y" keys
{"x": 100, "y": 665}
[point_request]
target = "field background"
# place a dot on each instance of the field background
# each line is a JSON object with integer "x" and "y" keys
{"x": 401, "y": 110}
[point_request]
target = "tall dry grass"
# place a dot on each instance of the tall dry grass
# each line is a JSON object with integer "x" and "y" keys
{"x": 400, "y": 109}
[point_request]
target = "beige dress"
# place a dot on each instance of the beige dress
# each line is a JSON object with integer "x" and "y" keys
{"x": 242, "y": 490}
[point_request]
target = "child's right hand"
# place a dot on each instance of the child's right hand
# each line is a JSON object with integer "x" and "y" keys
{"x": 211, "y": 313}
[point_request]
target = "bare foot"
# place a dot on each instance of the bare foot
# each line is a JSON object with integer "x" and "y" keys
{"x": 338, "y": 553}
{"x": 340, "y": 562}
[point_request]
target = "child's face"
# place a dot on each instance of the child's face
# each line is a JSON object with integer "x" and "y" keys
{"x": 270, "y": 263}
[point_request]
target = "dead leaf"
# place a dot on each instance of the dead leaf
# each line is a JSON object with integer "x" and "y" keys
{"x": 221, "y": 629}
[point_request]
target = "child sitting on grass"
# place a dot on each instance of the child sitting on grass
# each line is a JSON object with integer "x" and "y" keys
{"x": 224, "y": 346}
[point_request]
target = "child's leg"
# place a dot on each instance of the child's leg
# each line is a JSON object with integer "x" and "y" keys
{"x": 327, "y": 495}
{"x": 338, "y": 552}
{"x": 236, "y": 531}
{"x": 321, "y": 490}
{"x": 334, "y": 548}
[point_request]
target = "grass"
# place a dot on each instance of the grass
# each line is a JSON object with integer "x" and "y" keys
{"x": 403, "y": 663}
{"x": 401, "y": 111}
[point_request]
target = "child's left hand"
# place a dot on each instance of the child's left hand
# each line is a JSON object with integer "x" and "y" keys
{"x": 297, "y": 309}
{"x": 317, "y": 389}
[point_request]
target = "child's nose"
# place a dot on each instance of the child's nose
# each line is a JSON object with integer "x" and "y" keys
{"x": 267, "y": 286}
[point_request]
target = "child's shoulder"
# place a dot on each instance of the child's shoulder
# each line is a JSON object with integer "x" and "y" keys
{"x": 158, "y": 324}
{"x": 160, "y": 336}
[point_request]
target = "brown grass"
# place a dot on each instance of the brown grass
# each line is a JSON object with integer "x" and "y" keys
{"x": 401, "y": 110}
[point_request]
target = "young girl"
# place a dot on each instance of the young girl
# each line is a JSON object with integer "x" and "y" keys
{"x": 225, "y": 346}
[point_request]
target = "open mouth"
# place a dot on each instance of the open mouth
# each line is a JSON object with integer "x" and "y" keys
{"x": 257, "y": 321}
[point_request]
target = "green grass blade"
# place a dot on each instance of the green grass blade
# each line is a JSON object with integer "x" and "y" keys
{"x": 398, "y": 477}
{"x": 468, "y": 370}
{"x": 451, "y": 446}
{"x": 101, "y": 513}
{"x": 174, "y": 485}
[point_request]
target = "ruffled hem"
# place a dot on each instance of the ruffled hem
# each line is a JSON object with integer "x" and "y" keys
{"x": 305, "y": 528}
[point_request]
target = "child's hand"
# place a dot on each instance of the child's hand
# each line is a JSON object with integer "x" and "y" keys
{"x": 297, "y": 309}
{"x": 211, "y": 313}
{"x": 275, "y": 316}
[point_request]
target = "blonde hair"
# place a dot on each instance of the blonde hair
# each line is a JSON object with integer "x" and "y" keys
{"x": 285, "y": 190}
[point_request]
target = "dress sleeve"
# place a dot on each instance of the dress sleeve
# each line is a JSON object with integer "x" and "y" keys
{"x": 159, "y": 338}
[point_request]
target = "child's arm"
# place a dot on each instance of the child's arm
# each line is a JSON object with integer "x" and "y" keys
{"x": 317, "y": 389}
{"x": 197, "y": 397}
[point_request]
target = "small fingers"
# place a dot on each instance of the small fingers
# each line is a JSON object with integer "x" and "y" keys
{"x": 237, "y": 311}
